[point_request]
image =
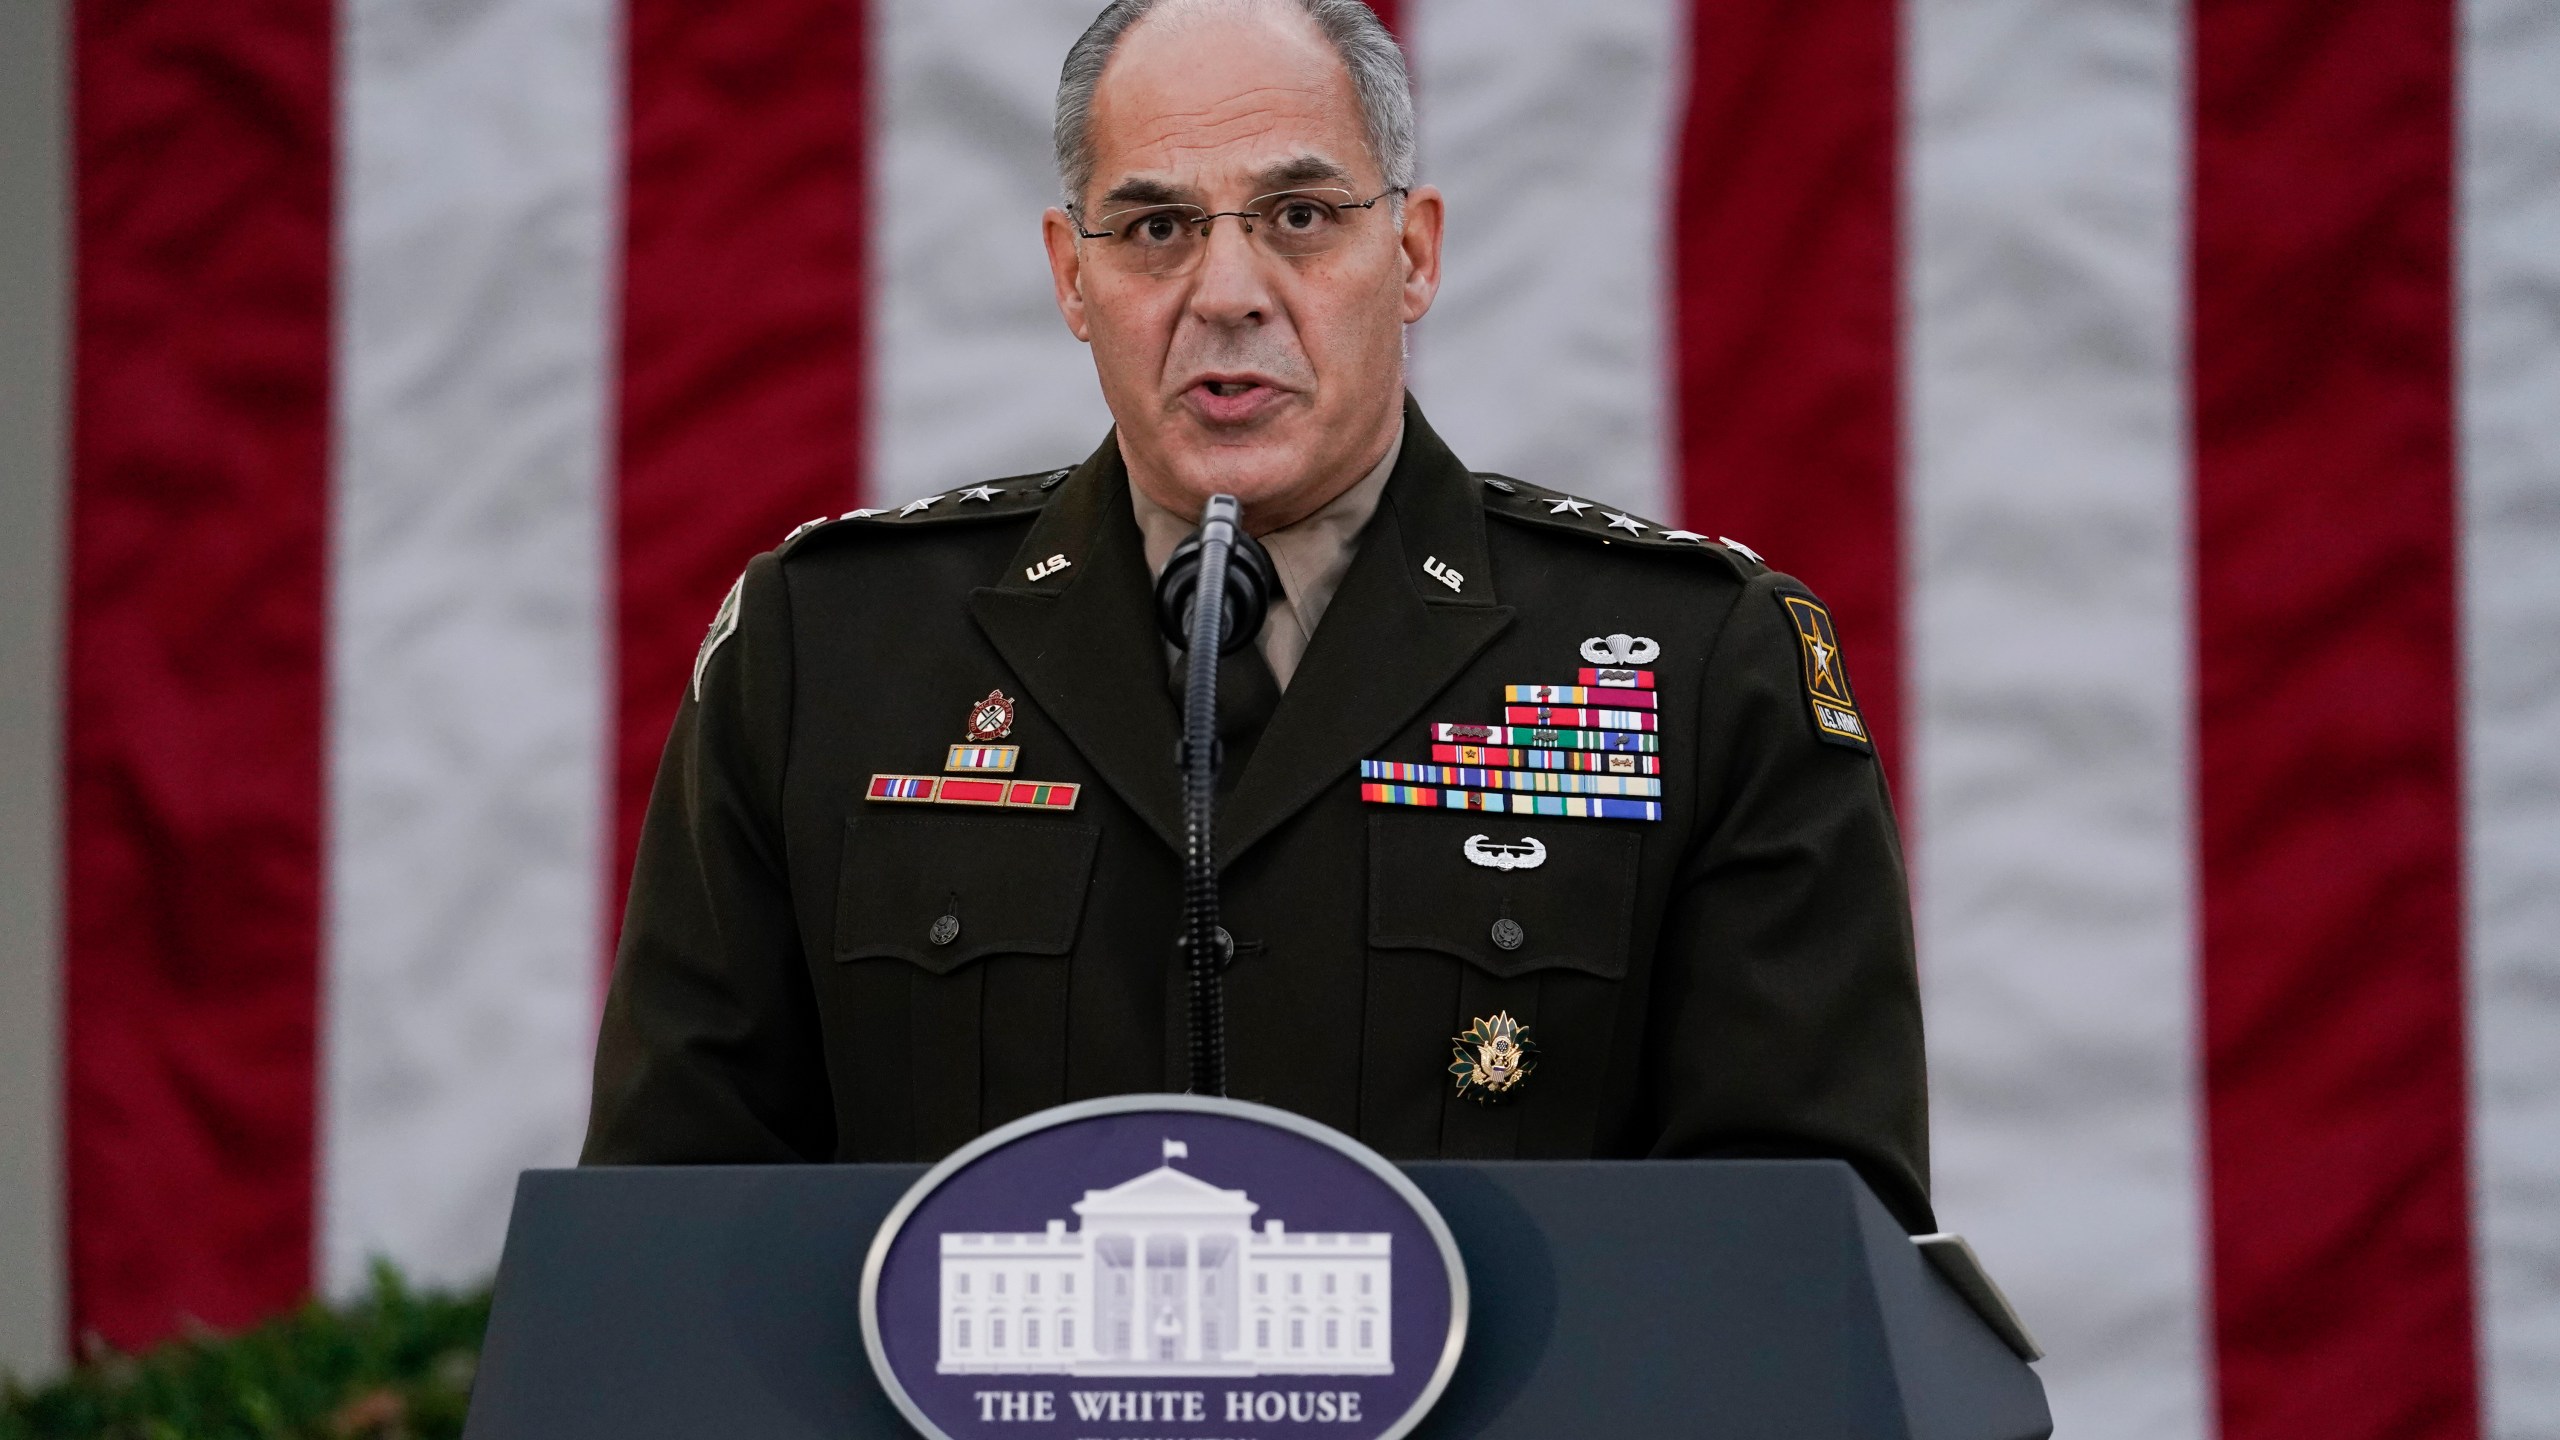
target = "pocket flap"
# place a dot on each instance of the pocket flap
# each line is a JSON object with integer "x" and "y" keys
{"x": 1013, "y": 887}
{"x": 1573, "y": 910}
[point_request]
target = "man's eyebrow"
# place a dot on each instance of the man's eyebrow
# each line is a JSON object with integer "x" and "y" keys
{"x": 1139, "y": 190}
{"x": 1286, "y": 174}
{"x": 1301, "y": 170}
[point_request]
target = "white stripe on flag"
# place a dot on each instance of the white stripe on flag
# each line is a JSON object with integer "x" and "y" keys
{"x": 2047, "y": 488}
{"x": 35, "y": 269}
{"x": 972, "y": 372}
{"x": 467, "y": 649}
{"x": 2508, "y": 221}
{"x": 1550, "y": 129}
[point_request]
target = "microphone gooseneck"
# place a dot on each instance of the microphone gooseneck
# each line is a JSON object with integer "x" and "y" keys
{"x": 1209, "y": 606}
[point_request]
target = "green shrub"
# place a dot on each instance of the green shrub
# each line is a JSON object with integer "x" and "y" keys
{"x": 392, "y": 1366}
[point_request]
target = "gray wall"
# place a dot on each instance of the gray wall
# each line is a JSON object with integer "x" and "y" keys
{"x": 34, "y": 289}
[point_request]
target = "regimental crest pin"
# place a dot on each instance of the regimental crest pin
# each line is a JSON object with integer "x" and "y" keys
{"x": 991, "y": 719}
{"x": 1493, "y": 1058}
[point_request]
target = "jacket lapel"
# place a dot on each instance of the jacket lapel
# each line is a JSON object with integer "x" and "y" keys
{"x": 1394, "y": 637}
{"x": 1082, "y": 638}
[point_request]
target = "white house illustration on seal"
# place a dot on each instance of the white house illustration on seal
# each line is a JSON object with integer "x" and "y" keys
{"x": 1165, "y": 1274}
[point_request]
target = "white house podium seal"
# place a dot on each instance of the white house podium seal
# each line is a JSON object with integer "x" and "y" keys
{"x": 1164, "y": 1267}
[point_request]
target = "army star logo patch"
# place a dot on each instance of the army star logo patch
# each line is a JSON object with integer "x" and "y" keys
{"x": 1826, "y": 675}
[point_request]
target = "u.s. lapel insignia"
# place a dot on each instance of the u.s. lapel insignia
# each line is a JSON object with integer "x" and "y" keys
{"x": 1826, "y": 676}
{"x": 1493, "y": 1059}
{"x": 991, "y": 718}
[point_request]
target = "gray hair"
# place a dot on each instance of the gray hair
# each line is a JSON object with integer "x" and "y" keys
{"x": 1369, "y": 53}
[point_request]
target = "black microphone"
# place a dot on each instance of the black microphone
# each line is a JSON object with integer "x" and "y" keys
{"x": 1251, "y": 584}
{"x": 1211, "y": 599}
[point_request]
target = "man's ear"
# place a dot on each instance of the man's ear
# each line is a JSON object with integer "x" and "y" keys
{"x": 1424, "y": 211}
{"x": 1066, "y": 268}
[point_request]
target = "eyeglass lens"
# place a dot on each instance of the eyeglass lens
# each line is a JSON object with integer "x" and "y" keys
{"x": 1292, "y": 224}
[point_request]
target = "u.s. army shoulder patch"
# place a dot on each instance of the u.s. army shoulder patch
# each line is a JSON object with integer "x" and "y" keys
{"x": 723, "y": 625}
{"x": 1826, "y": 675}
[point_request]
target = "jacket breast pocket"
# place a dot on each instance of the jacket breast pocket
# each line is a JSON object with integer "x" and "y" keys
{"x": 1451, "y": 882}
{"x": 939, "y": 891}
{"x": 946, "y": 1003}
{"x": 1539, "y": 918}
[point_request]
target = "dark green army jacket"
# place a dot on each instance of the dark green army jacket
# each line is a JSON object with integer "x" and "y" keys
{"x": 1734, "y": 978}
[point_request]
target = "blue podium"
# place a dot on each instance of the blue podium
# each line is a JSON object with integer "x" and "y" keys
{"x": 1734, "y": 1298}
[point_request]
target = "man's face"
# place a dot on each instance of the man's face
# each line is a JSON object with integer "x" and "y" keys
{"x": 1274, "y": 377}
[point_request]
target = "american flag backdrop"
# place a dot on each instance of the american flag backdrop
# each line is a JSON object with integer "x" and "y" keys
{"x": 2166, "y": 395}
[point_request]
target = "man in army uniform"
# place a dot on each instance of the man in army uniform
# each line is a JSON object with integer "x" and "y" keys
{"x": 1546, "y": 831}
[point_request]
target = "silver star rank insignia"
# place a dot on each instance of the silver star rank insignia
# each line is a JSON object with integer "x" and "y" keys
{"x": 1493, "y": 1058}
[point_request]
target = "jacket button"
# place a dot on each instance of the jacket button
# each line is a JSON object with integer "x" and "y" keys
{"x": 945, "y": 930}
{"x": 1507, "y": 934}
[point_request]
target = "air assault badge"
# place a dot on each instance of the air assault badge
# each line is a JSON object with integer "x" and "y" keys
{"x": 1493, "y": 1058}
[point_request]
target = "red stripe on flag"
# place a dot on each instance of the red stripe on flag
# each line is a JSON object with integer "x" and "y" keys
{"x": 1783, "y": 252}
{"x": 2327, "y": 745}
{"x": 197, "y": 642}
{"x": 742, "y": 326}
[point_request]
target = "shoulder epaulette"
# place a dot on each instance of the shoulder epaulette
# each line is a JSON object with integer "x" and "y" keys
{"x": 1014, "y": 495}
{"x": 1545, "y": 509}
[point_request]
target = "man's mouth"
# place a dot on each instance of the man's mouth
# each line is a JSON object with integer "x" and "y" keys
{"x": 1231, "y": 399}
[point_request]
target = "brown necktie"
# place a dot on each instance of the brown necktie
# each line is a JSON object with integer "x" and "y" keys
{"x": 1247, "y": 694}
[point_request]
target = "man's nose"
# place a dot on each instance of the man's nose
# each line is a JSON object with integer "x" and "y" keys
{"x": 1233, "y": 286}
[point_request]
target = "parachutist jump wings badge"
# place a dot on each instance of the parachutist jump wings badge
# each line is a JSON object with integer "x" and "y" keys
{"x": 1493, "y": 1058}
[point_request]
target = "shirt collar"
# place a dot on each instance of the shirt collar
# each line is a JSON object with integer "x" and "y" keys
{"x": 1312, "y": 555}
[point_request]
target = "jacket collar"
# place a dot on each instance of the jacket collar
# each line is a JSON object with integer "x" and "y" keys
{"x": 1418, "y": 604}
{"x": 1074, "y": 615}
{"x": 1396, "y": 634}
